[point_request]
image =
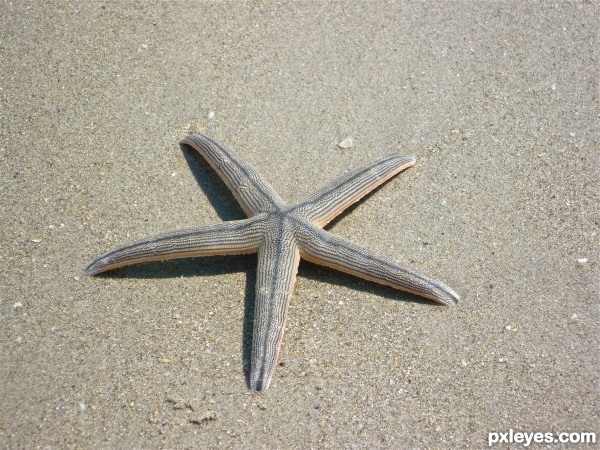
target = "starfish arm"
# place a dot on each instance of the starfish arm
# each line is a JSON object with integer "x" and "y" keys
{"x": 326, "y": 203}
{"x": 250, "y": 189}
{"x": 327, "y": 249}
{"x": 227, "y": 238}
{"x": 278, "y": 260}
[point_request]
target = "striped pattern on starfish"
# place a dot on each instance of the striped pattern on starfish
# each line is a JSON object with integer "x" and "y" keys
{"x": 281, "y": 234}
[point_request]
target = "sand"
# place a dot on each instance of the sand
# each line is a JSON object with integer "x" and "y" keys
{"x": 497, "y": 101}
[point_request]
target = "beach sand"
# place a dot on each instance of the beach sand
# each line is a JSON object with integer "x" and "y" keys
{"x": 497, "y": 101}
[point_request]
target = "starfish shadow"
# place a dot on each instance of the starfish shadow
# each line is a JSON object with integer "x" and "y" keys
{"x": 205, "y": 266}
{"x": 316, "y": 272}
{"x": 219, "y": 265}
{"x": 215, "y": 190}
{"x": 187, "y": 268}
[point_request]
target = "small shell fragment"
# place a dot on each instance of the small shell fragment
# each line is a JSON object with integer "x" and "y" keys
{"x": 346, "y": 143}
{"x": 582, "y": 260}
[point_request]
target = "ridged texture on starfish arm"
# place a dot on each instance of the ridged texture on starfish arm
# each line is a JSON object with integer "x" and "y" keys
{"x": 333, "y": 251}
{"x": 278, "y": 259}
{"x": 227, "y": 238}
{"x": 333, "y": 198}
{"x": 252, "y": 191}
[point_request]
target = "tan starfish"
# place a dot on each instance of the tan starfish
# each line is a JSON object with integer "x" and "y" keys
{"x": 281, "y": 234}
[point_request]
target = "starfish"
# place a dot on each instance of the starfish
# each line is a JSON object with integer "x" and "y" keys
{"x": 281, "y": 234}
